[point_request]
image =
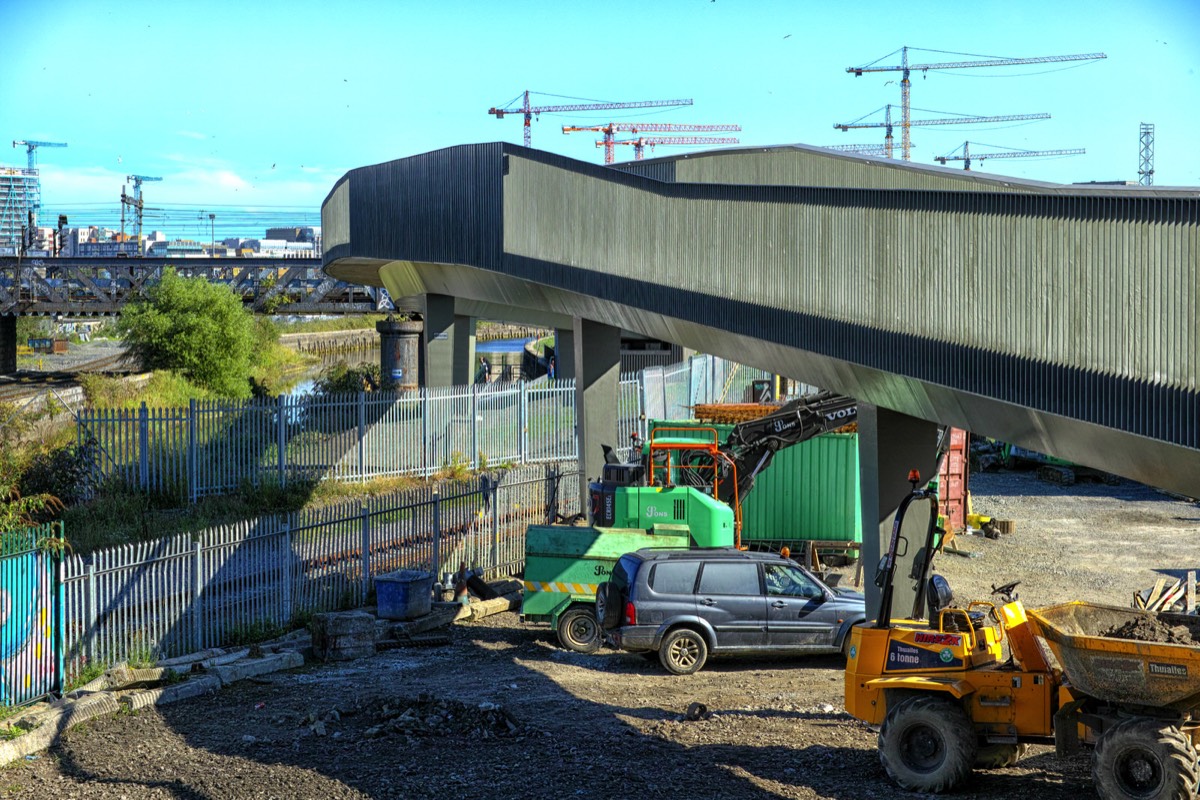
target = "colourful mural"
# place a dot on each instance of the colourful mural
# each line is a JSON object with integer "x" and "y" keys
{"x": 30, "y": 664}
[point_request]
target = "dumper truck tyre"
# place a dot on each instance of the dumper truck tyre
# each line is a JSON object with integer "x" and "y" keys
{"x": 578, "y": 630}
{"x": 927, "y": 744}
{"x": 608, "y": 606}
{"x": 999, "y": 756}
{"x": 1145, "y": 758}
{"x": 683, "y": 651}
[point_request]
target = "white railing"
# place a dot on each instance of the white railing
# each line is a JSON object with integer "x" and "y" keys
{"x": 214, "y": 447}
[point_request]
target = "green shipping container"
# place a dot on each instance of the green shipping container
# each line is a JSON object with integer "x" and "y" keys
{"x": 810, "y": 491}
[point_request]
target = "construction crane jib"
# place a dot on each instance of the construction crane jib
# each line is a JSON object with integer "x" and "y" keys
{"x": 529, "y": 110}
{"x": 612, "y": 128}
{"x": 954, "y": 120}
{"x": 641, "y": 143}
{"x": 905, "y": 69}
{"x": 967, "y": 156}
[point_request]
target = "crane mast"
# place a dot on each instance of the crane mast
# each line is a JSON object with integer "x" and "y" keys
{"x": 906, "y": 69}
{"x": 528, "y": 111}
{"x": 35, "y": 202}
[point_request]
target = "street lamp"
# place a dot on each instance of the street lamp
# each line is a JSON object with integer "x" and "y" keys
{"x": 212, "y": 236}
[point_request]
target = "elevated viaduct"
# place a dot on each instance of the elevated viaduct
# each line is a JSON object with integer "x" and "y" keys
{"x": 1060, "y": 318}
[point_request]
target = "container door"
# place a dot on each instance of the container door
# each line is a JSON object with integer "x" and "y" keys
{"x": 731, "y": 598}
{"x": 798, "y": 614}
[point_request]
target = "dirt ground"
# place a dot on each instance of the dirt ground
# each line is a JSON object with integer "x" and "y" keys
{"x": 502, "y": 712}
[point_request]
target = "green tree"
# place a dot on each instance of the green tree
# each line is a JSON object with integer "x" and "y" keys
{"x": 196, "y": 328}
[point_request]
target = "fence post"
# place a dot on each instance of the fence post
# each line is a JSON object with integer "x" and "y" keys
{"x": 423, "y": 399}
{"x": 474, "y": 428}
{"x": 362, "y": 435}
{"x": 197, "y": 593}
{"x": 523, "y": 425}
{"x": 286, "y": 564}
{"x": 281, "y": 437}
{"x": 93, "y": 613}
{"x": 144, "y": 447}
{"x": 191, "y": 451}
{"x": 365, "y": 518}
{"x": 59, "y": 624}
{"x": 495, "y": 525}
{"x": 437, "y": 535}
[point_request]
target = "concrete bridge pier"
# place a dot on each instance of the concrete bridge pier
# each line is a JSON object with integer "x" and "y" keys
{"x": 597, "y": 366}
{"x": 399, "y": 351}
{"x": 889, "y": 445}
{"x": 564, "y": 353}
{"x": 448, "y": 346}
{"x": 8, "y": 345}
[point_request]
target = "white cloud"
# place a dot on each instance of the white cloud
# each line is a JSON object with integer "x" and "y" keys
{"x": 192, "y": 134}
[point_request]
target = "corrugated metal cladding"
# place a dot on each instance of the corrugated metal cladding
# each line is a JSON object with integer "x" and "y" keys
{"x": 440, "y": 207}
{"x": 659, "y": 170}
{"x": 1056, "y": 302}
{"x": 797, "y": 166}
{"x": 335, "y": 216}
{"x": 1075, "y": 304}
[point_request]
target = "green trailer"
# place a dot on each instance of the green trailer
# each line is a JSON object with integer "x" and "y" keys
{"x": 563, "y": 566}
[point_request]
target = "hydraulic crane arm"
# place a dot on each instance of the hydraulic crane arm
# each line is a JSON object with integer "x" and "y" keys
{"x": 751, "y": 446}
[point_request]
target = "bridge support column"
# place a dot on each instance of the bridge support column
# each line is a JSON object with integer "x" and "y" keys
{"x": 400, "y": 351}
{"x": 8, "y": 345}
{"x": 564, "y": 353}
{"x": 889, "y": 445}
{"x": 448, "y": 351}
{"x": 597, "y": 357}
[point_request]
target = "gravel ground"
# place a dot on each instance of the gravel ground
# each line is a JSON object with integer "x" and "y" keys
{"x": 501, "y": 712}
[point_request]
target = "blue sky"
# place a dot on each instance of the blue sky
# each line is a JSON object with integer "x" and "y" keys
{"x": 267, "y": 103}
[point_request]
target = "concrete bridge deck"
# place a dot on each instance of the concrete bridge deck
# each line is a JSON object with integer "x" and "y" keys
{"x": 1060, "y": 318}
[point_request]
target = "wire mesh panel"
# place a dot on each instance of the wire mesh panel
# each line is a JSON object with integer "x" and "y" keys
{"x": 629, "y": 417}
{"x": 243, "y": 578}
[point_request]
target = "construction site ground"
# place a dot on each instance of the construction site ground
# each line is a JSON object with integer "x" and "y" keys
{"x": 502, "y": 712}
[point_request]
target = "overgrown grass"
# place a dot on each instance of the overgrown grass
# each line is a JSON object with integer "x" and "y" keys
{"x": 163, "y": 390}
{"x": 346, "y": 323}
{"x": 277, "y": 368}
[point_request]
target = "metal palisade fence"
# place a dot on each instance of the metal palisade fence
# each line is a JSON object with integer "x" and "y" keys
{"x": 186, "y": 593}
{"x": 213, "y": 447}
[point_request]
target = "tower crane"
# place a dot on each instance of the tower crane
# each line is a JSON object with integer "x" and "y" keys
{"x": 137, "y": 204}
{"x": 35, "y": 202}
{"x": 644, "y": 127}
{"x": 957, "y": 120}
{"x": 967, "y": 156}
{"x": 31, "y": 149}
{"x": 641, "y": 143}
{"x": 905, "y": 69}
{"x": 528, "y": 111}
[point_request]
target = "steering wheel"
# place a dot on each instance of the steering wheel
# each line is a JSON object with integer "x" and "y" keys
{"x": 1006, "y": 591}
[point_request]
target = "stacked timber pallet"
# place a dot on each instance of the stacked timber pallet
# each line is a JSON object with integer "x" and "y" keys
{"x": 1178, "y": 596}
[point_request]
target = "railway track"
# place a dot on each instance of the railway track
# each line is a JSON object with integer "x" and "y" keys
{"x": 14, "y": 388}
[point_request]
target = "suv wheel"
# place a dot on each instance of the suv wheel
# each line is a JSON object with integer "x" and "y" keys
{"x": 683, "y": 651}
{"x": 578, "y": 631}
{"x": 608, "y": 606}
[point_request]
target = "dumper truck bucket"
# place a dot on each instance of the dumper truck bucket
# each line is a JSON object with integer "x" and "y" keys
{"x": 1146, "y": 673}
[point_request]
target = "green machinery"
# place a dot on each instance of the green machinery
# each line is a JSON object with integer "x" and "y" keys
{"x": 685, "y": 491}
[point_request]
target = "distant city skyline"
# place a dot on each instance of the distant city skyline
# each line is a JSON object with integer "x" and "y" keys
{"x": 268, "y": 104}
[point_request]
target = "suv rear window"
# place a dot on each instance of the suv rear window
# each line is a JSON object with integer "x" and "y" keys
{"x": 623, "y": 572}
{"x": 674, "y": 577}
{"x": 730, "y": 577}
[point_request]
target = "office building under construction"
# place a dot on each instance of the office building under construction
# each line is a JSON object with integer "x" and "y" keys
{"x": 18, "y": 197}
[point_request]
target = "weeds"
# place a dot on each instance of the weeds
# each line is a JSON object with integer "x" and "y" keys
{"x": 252, "y": 633}
{"x": 89, "y": 673}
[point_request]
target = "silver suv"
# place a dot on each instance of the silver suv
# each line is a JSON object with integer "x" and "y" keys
{"x": 688, "y": 604}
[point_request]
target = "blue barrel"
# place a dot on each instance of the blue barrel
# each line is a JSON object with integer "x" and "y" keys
{"x": 404, "y": 594}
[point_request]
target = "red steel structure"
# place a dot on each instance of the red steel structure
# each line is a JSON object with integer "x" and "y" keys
{"x": 612, "y": 128}
{"x": 641, "y": 143}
